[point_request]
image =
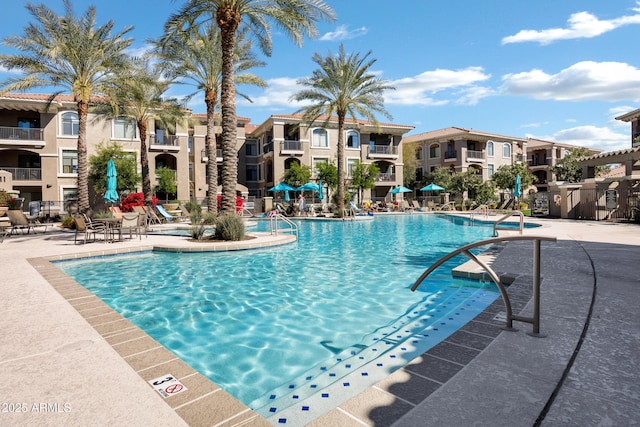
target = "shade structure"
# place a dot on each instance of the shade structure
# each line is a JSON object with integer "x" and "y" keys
{"x": 283, "y": 186}
{"x": 400, "y": 189}
{"x": 432, "y": 187}
{"x": 517, "y": 188}
{"x": 111, "y": 195}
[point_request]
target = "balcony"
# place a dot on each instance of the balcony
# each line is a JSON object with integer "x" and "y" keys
{"x": 205, "y": 159}
{"x": 289, "y": 148}
{"x": 24, "y": 174}
{"x": 450, "y": 155}
{"x": 164, "y": 143}
{"x": 475, "y": 156}
{"x": 386, "y": 177}
{"x": 382, "y": 152}
{"x": 21, "y": 137}
{"x": 537, "y": 161}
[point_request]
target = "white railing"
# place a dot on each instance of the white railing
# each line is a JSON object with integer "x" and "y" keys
{"x": 290, "y": 228}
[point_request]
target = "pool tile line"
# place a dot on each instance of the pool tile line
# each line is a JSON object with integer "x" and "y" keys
{"x": 149, "y": 356}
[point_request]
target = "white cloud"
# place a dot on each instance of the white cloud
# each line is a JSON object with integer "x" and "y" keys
{"x": 587, "y": 80}
{"x": 579, "y": 25}
{"x": 618, "y": 111}
{"x": 419, "y": 89}
{"x": 138, "y": 51}
{"x": 342, "y": 32}
{"x": 533, "y": 125}
{"x": 601, "y": 138}
{"x": 277, "y": 94}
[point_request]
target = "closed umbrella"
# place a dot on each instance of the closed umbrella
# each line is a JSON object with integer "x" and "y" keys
{"x": 517, "y": 190}
{"x": 320, "y": 194}
{"x": 111, "y": 195}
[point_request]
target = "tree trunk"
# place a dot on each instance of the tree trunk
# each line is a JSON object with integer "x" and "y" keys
{"x": 228, "y": 20}
{"x": 341, "y": 165}
{"x": 210, "y": 144}
{"x": 144, "y": 163}
{"x": 83, "y": 167}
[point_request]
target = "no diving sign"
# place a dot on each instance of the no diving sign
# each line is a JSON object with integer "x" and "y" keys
{"x": 167, "y": 385}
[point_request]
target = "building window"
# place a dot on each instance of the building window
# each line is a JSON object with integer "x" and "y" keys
{"x": 434, "y": 151}
{"x": 490, "y": 148}
{"x": 320, "y": 138}
{"x": 69, "y": 161}
{"x": 316, "y": 162}
{"x": 70, "y": 123}
{"x": 419, "y": 153}
{"x": 251, "y": 147}
{"x": 506, "y": 150}
{"x": 351, "y": 165}
{"x": 490, "y": 170}
{"x": 253, "y": 173}
{"x": 353, "y": 139}
{"x": 124, "y": 128}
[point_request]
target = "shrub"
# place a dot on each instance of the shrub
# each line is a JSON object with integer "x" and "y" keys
{"x": 68, "y": 222}
{"x": 193, "y": 207}
{"x": 229, "y": 227}
{"x": 7, "y": 200}
{"x": 135, "y": 199}
{"x": 209, "y": 218}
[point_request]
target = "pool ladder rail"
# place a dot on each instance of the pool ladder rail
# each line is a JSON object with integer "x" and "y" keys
{"x": 496, "y": 226}
{"x": 510, "y": 317}
{"x": 289, "y": 226}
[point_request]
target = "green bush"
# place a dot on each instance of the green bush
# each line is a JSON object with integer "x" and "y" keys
{"x": 209, "y": 218}
{"x": 68, "y": 222}
{"x": 193, "y": 208}
{"x": 229, "y": 227}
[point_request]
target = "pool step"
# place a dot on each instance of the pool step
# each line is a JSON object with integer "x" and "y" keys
{"x": 423, "y": 326}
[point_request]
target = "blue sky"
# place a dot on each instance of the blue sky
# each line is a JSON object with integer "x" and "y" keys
{"x": 556, "y": 70}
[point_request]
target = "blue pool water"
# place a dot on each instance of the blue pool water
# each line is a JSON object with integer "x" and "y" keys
{"x": 261, "y": 322}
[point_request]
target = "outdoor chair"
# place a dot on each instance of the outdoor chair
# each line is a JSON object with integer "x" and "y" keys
{"x": 115, "y": 211}
{"x": 19, "y": 222}
{"x": 131, "y": 223}
{"x": 406, "y": 207}
{"x": 416, "y": 205}
{"x": 82, "y": 228}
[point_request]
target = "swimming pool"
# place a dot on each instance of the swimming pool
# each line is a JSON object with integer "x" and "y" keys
{"x": 292, "y": 320}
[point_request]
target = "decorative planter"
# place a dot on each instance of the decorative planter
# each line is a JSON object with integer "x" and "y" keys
{"x": 170, "y": 206}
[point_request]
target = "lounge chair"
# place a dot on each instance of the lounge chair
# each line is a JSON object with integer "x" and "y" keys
{"x": 416, "y": 205}
{"x": 115, "y": 211}
{"x": 19, "y": 222}
{"x": 167, "y": 216}
{"x": 406, "y": 207}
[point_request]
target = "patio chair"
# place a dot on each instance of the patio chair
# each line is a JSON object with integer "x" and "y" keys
{"x": 116, "y": 212}
{"x": 166, "y": 215}
{"x": 144, "y": 218}
{"x": 130, "y": 222}
{"x": 406, "y": 207}
{"x": 19, "y": 222}
{"x": 82, "y": 228}
{"x": 416, "y": 205}
{"x": 152, "y": 217}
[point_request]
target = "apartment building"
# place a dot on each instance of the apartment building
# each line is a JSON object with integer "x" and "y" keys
{"x": 461, "y": 149}
{"x": 283, "y": 139}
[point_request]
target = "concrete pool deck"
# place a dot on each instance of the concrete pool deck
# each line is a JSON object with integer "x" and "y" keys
{"x": 59, "y": 367}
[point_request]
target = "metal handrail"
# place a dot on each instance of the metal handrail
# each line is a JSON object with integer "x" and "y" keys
{"x": 273, "y": 222}
{"x": 504, "y": 218}
{"x": 535, "y": 319}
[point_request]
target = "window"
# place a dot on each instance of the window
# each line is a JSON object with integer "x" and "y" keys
{"x": 320, "y": 138}
{"x": 253, "y": 173}
{"x": 353, "y": 139}
{"x": 316, "y": 162}
{"x": 419, "y": 174}
{"x": 351, "y": 165}
{"x": 251, "y": 147}
{"x": 506, "y": 150}
{"x": 70, "y": 123}
{"x": 419, "y": 153}
{"x": 69, "y": 161}
{"x": 124, "y": 128}
{"x": 490, "y": 148}
{"x": 490, "y": 169}
{"x": 434, "y": 151}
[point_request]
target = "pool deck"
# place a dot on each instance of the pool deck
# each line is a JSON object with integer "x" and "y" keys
{"x": 67, "y": 359}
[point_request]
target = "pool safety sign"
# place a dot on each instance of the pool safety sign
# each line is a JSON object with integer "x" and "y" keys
{"x": 167, "y": 385}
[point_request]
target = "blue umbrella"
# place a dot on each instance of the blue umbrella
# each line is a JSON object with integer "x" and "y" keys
{"x": 320, "y": 195}
{"x": 400, "y": 189}
{"x": 432, "y": 187}
{"x": 286, "y": 196}
{"x": 517, "y": 191}
{"x": 111, "y": 195}
{"x": 309, "y": 186}
{"x": 283, "y": 186}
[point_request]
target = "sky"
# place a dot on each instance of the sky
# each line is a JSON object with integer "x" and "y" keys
{"x": 547, "y": 69}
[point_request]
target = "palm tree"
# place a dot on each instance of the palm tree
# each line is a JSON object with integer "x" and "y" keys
{"x": 136, "y": 92}
{"x": 71, "y": 54}
{"x": 296, "y": 17}
{"x": 343, "y": 85}
{"x": 195, "y": 55}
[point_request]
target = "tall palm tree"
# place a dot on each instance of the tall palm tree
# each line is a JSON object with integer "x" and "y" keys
{"x": 137, "y": 92}
{"x": 195, "y": 56}
{"x": 296, "y": 17}
{"x": 70, "y": 54}
{"x": 343, "y": 85}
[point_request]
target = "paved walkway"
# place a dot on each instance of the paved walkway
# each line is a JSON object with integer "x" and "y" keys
{"x": 57, "y": 369}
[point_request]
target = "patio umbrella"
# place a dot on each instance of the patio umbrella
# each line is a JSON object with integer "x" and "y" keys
{"x": 111, "y": 195}
{"x": 309, "y": 186}
{"x": 320, "y": 195}
{"x": 432, "y": 187}
{"x": 283, "y": 186}
{"x": 517, "y": 190}
{"x": 400, "y": 189}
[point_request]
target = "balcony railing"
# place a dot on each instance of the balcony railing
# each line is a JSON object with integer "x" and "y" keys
{"x": 385, "y": 177}
{"x": 21, "y": 134}
{"x": 290, "y": 146}
{"x": 538, "y": 162}
{"x": 166, "y": 140}
{"x": 383, "y": 149}
{"x": 475, "y": 155}
{"x": 452, "y": 154}
{"x": 24, "y": 174}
